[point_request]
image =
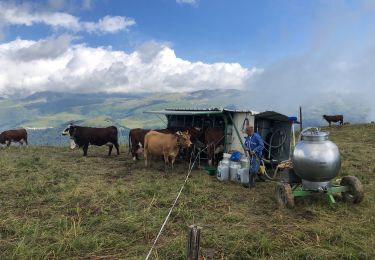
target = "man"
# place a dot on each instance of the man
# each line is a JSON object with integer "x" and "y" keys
{"x": 254, "y": 145}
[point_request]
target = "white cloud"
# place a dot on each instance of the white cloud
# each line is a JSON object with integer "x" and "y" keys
{"x": 188, "y": 2}
{"x": 56, "y": 64}
{"x": 25, "y": 15}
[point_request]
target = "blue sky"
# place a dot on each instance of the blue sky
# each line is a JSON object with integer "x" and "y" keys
{"x": 248, "y": 32}
{"x": 301, "y": 50}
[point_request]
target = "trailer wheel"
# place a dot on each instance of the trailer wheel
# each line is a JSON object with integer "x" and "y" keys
{"x": 355, "y": 193}
{"x": 284, "y": 195}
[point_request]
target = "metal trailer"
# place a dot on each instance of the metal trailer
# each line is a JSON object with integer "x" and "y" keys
{"x": 350, "y": 188}
{"x": 234, "y": 123}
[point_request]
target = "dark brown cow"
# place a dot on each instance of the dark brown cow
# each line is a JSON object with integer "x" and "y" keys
{"x": 214, "y": 138}
{"x": 84, "y": 136}
{"x": 15, "y": 135}
{"x": 335, "y": 118}
{"x": 136, "y": 141}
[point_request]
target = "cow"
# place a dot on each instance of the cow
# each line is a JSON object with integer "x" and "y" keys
{"x": 335, "y": 118}
{"x": 214, "y": 139}
{"x": 84, "y": 136}
{"x": 166, "y": 144}
{"x": 14, "y": 135}
{"x": 137, "y": 140}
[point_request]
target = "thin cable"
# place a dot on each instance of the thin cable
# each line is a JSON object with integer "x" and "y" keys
{"x": 171, "y": 209}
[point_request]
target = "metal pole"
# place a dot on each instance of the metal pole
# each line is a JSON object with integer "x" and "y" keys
{"x": 300, "y": 119}
{"x": 193, "y": 242}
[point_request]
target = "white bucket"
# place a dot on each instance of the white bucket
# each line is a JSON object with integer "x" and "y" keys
{"x": 244, "y": 177}
{"x": 223, "y": 173}
{"x": 226, "y": 156}
{"x": 233, "y": 169}
{"x": 225, "y": 162}
{"x": 245, "y": 162}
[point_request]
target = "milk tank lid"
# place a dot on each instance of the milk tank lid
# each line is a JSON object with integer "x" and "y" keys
{"x": 314, "y": 134}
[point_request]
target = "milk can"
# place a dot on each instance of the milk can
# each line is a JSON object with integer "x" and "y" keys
{"x": 316, "y": 160}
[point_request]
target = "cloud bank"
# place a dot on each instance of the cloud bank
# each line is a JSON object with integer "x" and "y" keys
{"x": 26, "y": 15}
{"x": 334, "y": 75}
{"x": 58, "y": 64}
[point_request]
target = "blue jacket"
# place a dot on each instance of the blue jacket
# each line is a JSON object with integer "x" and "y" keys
{"x": 255, "y": 143}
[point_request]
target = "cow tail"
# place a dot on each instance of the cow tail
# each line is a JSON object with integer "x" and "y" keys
{"x": 129, "y": 145}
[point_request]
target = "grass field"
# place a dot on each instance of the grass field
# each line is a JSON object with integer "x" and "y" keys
{"x": 55, "y": 204}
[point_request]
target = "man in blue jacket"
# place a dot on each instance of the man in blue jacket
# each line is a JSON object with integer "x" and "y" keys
{"x": 254, "y": 145}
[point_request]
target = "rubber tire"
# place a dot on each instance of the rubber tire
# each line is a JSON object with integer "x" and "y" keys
{"x": 284, "y": 195}
{"x": 355, "y": 193}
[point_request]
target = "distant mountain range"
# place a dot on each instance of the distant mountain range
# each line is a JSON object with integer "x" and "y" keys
{"x": 47, "y": 113}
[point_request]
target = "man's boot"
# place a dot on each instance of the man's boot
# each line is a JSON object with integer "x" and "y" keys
{"x": 252, "y": 180}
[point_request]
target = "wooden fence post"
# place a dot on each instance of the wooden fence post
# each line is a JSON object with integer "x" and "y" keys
{"x": 193, "y": 242}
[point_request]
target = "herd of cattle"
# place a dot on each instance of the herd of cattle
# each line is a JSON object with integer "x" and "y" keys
{"x": 163, "y": 142}
{"x": 168, "y": 142}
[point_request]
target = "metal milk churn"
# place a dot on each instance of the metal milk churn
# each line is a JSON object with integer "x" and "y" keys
{"x": 316, "y": 160}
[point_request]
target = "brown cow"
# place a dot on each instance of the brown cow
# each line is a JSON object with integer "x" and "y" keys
{"x": 214, "y": 137}
{"x": 167, "y": 145}
{"x": 335, "y": 118}
{"x": 15, "y": 135}
{"x": 137, "y": 140}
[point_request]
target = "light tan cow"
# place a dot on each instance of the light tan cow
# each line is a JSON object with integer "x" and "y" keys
{"x": 167, "y": 145}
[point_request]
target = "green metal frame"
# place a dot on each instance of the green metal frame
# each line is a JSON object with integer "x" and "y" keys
{"x": 297, "y": 191}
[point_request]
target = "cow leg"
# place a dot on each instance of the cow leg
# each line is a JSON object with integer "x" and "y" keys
{"x": 117, "y": 148}
{"x": 210, "y": 153}
{"x": 172, "y": 161}
{"x": 110, "y": 146}
{"x": 8, "y": 143}
{"x": 146, "y": 158}
{"x": 85, "y": 148}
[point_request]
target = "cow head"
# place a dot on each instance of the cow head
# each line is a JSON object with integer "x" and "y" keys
{"x": 324, "y": 116}
{"x": 183, "y": 138}
{"x": 2, "y": 139}
{"x": 69, "y": 130}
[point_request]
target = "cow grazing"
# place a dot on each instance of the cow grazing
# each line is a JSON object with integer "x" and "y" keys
{"x": 84, "y": 136}
{"x": 214, "y": 138}
{"x": 335, "y": 118}
{"x": 166, "y": 144}
{"x": 15, "y": 135}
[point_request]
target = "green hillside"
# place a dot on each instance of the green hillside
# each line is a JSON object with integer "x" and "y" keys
{"x": 50, "y": 109}
{"x": 50, "y": 112}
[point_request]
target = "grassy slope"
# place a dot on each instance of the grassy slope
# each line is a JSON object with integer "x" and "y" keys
{"x": 56, "y": 204}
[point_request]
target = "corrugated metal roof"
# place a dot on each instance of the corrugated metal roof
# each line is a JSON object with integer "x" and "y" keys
{"x": 273, "y": 116}
{"x": 197, "y": 111}
{"x": 184, "y": 112}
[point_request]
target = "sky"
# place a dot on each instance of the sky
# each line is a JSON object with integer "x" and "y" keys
{"x": 280, "y": 53}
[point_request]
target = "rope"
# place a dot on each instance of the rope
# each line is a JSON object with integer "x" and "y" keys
{"x": 178, "y": 196}
{"x": 173, "y": 205}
